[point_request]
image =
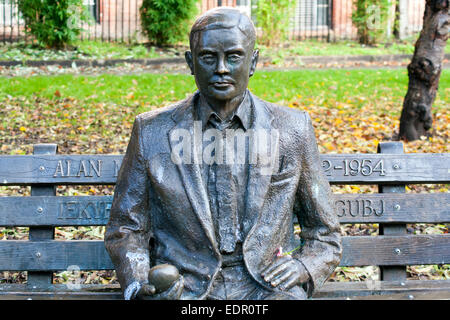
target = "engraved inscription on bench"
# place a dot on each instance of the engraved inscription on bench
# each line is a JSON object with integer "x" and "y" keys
{"x": 84, "y": 210}
{"x": 355, "y": 167}
{"x": 117, "y": 164}
{"x": 359, "y": 208}
{"x": 83, "y": 168}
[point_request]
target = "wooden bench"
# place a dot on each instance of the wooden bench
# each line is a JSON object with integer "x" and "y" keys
{"x": 393, "y": 249}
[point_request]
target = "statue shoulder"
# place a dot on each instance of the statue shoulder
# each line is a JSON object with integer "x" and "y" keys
{"x": 156, "y": 116}
{"x": 161, "y": 118}
{"x": 287, "y": 117}
{"x": 152, "y": 128}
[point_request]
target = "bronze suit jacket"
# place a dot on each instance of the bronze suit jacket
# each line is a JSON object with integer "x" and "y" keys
{"x": 160, "y": 212}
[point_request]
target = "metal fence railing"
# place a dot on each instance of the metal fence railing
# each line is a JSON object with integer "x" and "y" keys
{"x": 331, "y": 20}
{"x": 119, "y": 20}
{"x": 113, "y": 20}
{"x": 109, "y": 20}
{"x": 11, "y": 25}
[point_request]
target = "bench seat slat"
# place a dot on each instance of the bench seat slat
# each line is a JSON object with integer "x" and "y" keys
{"x": 61, "y": 292}
{"x": 339, "y": 169}
{"x": 416, "y": 289}
{"x": 350, "y": 208}
{"x": 60, "y": 295}
{"x": 92, "y": 255}
{"x": 410, "y": 289}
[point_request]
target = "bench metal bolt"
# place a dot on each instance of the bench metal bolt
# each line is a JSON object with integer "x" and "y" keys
{"x": 42, "y": 168}
{"x": 37, "y": 254}
{"x": 410, "y": 297}
{"x": 40, "y": 210}
{"x": 397, "y": 207}
{"x": 396, "y": 166}
{"x": 398, "y": 251}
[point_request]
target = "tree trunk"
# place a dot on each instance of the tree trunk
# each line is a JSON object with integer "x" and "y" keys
{"x": 424, "y": 71}
{"x": 397, "y": 20}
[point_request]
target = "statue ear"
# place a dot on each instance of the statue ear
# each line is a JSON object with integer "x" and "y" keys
{"x": 189, "y": 61}
{"x": 255, "y": 58}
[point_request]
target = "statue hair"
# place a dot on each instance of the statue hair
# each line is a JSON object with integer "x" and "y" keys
{"x": 223, "y": 18}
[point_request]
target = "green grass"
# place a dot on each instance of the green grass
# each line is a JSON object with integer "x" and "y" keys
{"x": 109, "y": 50}
{"x": 106, "y": 50}
{"x": 306, "y": 86}
{"x": 82, "y": 50}
{"x": 320, "y": 48}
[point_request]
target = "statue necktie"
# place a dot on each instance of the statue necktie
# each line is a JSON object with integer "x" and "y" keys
{"x": 226, "y": 207}
{"x": 225, "y": 188}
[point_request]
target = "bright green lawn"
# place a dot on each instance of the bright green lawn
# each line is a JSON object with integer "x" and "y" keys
{"x": 106, "y": 50}
{"x": 321, "y": 48}
{"x": 81, "y": 50}
{"x": 305, "y": 86}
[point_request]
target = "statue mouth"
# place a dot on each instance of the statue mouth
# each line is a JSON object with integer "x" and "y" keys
{"x": 221, "y": 85}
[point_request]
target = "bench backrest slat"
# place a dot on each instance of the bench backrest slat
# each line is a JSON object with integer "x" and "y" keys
{"x": 339, "y": 169}
{"x": 92, "y": 255}
{"x": 350, "y": 208}
{"x": 396, "y": 250}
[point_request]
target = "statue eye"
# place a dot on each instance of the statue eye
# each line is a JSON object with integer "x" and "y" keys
{"x": 208, "y": 58}
{"x": 234, "y": 57}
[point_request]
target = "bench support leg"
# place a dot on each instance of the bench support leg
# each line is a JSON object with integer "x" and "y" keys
{"x": 392, "y": 273}
{"x": 42, "y": 279}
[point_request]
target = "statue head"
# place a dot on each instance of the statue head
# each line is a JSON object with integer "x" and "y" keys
{"x": 222, "y": 56}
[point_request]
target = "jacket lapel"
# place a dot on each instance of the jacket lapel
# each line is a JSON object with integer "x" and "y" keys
{"x": 259, "y": 177}
{"x": 190, "y": 173}
{"x": 258, "y": 185}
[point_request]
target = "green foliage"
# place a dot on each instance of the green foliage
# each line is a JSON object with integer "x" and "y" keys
{"x": 167, "y": 21}
{"x": 272, "y": 17}
{"x": 371, "y": 18}
{"x": 381, "y": 87}
{"x": 54, "y": 24}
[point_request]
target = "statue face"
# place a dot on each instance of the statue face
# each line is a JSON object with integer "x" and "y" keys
{"x": 222, "y": 62}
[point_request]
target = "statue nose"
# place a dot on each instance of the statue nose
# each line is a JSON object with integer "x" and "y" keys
{"x": 222, "y": 67}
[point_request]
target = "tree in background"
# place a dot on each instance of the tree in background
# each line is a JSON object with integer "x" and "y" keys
{"x": 273, "y": 18}
{"x": 166, "y": 22}
{"x": 54, "y": 24}
{"x": 371, "y": 18}
{"x": 424, "y": 71}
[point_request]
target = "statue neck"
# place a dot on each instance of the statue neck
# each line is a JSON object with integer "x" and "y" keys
{"x": 225, "y": 108}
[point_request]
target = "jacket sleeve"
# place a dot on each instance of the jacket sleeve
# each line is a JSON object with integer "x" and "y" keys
{"x": 127, "y": 233}
{"x": 320, "y": 229}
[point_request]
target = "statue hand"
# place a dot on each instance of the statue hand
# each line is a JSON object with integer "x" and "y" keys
{"x": 173, "y": 293}
{"x": 167, "y": 281}
{"x": 146, "y": 291}
{"x": 285, "y": 272}
{"x": 138, "y": 290}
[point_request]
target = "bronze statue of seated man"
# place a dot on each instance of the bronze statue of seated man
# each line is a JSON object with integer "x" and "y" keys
{"x": 207, "y": 193}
